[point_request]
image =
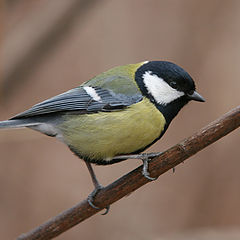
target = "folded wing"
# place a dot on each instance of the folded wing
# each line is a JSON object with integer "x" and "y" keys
{"x": 82, "y": 99}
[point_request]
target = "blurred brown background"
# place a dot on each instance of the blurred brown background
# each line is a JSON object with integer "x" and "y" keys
{"x": 48, "y": 47}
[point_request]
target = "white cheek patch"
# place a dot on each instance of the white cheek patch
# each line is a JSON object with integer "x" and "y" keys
{"x": 92, "y": 93}
{"x": 159, "y": 89}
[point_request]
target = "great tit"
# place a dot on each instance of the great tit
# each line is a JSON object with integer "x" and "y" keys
{"x": 120, "y": 112}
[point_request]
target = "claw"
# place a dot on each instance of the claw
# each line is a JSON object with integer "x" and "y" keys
{"x": 145, "y": 158}
{"x": 106, "y": 211}
{"x": 91, "y": 197}
{"x": 146, "y": 175}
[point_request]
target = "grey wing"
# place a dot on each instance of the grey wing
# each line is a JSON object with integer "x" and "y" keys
{"x": 86, "y": 99}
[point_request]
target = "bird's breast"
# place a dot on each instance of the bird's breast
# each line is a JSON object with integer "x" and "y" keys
{"x": 103, "y": 135}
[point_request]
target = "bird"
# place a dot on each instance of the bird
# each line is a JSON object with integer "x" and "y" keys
{"x": 115, "y": 115}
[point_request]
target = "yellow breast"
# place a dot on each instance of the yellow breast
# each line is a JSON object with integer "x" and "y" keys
{"x": 104, "y": 135}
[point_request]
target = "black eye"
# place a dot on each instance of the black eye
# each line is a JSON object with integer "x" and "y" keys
{"x": 191, "y": 92}
{"x": 173, "y": 84}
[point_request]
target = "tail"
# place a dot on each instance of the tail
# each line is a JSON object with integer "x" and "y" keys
{"x": 45, "y": 128}
{"x": 17, "y": 123}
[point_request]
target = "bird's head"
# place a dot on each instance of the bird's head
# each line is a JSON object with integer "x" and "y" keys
{"x": 167, "y": 85}
{"x": 165, "y": 82}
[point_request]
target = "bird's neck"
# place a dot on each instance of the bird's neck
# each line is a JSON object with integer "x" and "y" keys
{"x": 170, "y": 110}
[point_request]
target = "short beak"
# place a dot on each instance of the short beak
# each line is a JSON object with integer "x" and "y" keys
{"x": 196, "y": 97}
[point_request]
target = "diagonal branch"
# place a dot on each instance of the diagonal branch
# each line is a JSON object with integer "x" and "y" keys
{"x": 134, "y": 180}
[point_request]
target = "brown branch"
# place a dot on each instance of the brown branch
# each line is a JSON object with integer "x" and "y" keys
{"x": 134, "y": 180}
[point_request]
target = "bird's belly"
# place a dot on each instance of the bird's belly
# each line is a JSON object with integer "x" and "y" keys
{"x": 104, "y": 135}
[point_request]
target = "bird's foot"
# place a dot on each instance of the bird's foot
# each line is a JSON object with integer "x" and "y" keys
{"x": 145, "y": 157}
{"x": 91, "y": 197}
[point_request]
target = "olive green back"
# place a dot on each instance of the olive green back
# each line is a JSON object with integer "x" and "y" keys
{"x": 119, "y": 79}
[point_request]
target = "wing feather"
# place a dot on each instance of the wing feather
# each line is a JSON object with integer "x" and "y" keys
{"x": 78, "y": 99}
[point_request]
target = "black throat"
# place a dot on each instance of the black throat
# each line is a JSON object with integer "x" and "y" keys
{"x": 170, "y": 110}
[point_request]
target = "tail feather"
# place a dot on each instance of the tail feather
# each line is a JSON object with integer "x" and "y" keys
{"x": 17, "y": 123}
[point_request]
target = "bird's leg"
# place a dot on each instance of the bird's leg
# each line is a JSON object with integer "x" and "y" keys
{"x": 97, "y": 186}
{"x": 145, "y": 157}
